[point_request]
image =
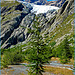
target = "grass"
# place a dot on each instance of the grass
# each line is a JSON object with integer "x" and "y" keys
{"x": 9, "y": 17}
{"x": 58, "y": 71}
{"x": 9, "y": 4}
{"x": 13, "y": 6}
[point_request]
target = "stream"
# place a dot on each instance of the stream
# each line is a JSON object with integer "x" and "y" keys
{"x": 22, "y": 69}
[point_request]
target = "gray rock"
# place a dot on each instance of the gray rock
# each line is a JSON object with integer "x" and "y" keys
{"x": 27, "y": 20}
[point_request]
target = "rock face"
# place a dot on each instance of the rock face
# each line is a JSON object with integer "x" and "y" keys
{"x": 8, "y": 0}
{"x": 15, "y": 22}
{"x": 57, "y": 3}
{"x": 38, "y": 2}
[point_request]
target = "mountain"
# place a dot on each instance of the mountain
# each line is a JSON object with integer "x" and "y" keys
{"x": 17, "y": 17}
{"x": 37, "y": 9}
{"x": 57, "y": 3}
{"x": 38, "y": 2}
{"x": 8, "y": 0}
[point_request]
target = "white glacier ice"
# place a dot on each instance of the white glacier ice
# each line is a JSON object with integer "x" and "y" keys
{"x": 37, "y": 9}
{"x": 43, "y": 8}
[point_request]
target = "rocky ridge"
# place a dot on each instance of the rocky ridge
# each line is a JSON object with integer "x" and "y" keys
{"x": 38, "y": 2}
{"x": 57, "y": 3}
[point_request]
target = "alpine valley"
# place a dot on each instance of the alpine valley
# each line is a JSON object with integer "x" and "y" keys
{"x": 56, "y": 19}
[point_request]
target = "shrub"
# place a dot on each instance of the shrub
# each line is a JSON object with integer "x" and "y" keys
{"x": 12, "y": 58}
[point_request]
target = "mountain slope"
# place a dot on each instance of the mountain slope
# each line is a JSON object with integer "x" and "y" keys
{"x": 18, "y": 18}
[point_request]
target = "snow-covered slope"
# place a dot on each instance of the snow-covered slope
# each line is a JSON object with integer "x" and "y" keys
{"x": 40, "y": 8}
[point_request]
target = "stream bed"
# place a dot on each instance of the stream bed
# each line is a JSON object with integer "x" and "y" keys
{"x": 15, "y": 70}
{"x": 56, "y": 64}
{"x": 22, "y": 69}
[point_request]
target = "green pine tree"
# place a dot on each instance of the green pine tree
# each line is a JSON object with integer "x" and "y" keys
{"x": 37, "y": 52}
{"x": 66, "y": 53}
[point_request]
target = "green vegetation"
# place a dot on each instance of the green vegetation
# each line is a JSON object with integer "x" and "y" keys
{"x": 62, "y": 47}
{"x": 64, "y": 51}
{"x": 57, "y": 51}
{"x": 37, "y": 52}
{"x": 12, "y": 56}
{"x": 52, "y": 43}
{"x": 15, "y": 55}
{"x": 40, "y": 49}
{"x": 9, "y": 4}
{"x": 10, "y": 9}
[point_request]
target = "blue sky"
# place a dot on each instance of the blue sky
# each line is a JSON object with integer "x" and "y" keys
{"x": 51, "y": 0}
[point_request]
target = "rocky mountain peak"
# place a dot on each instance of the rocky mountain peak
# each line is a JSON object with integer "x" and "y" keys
{"x": 57, "y": 3}
{"x": 32, "y": 1}
{"x": 38, "y": 2}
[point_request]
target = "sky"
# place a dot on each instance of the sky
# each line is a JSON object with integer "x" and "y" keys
{"x": 51, "y": 0}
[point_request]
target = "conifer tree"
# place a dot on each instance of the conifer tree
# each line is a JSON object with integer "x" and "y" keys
{"x": 37, "y": 52}
{"x": 66, "y": 54}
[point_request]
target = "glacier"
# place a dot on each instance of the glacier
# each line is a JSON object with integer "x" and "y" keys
{"x": 37, "y": 9}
